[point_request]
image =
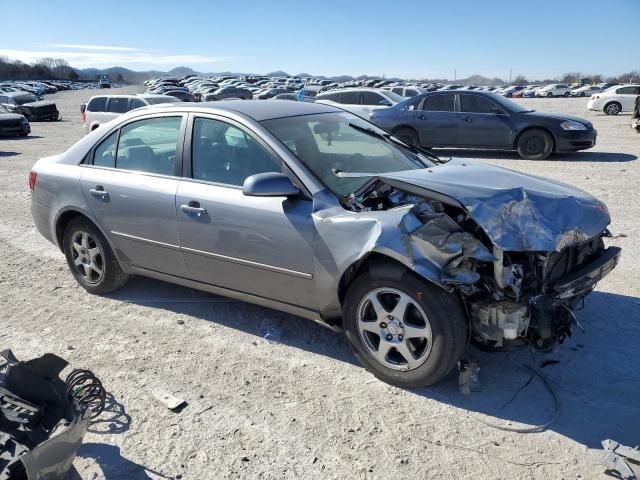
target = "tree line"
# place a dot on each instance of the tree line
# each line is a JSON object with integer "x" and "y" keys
{"x": 43, "y": 69}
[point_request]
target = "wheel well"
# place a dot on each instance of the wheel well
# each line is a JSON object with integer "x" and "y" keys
{"x": 64, "y": 220}
{"x": 610, "y": 102}
{"x": 553, "y": 139}
{"x": 373, "y": 261}
{"x": 402, "y": 127}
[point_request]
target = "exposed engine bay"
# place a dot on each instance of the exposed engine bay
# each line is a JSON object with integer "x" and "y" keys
{"x": 512, "y": 298}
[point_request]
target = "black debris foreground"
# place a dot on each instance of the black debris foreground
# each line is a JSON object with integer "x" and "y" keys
{"x": 43, "y": 419}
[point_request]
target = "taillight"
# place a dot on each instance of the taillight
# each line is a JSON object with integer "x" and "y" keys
{"x": 32, "y": 180}
{"x": 84, "y": 117}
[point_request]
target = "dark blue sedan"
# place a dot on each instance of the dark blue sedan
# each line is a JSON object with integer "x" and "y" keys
{"x": 482, "y": 120}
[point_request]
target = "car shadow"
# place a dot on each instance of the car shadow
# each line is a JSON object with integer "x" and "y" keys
{"x": 594, "y": 375}
{"x": 113, "y": 465}
{"x": 21, "y": 139}
{"x": 9, "y": 154}
{"x": 603, "y": 157}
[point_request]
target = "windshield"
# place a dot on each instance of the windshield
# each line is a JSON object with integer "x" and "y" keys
{"x": 330, "y": 142}
{"x": 394, "y": 96}
{"x": 508, "y": 104}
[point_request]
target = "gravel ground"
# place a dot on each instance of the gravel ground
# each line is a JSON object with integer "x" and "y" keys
{"x": 301, "y": 407}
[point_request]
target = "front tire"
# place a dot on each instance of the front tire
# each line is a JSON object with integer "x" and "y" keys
{"x": 90, "y": 258}
{"x": 404, "y": 330}
{"x": 535, "y": 144}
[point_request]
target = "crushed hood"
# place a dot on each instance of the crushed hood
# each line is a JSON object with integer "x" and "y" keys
{"x": 518, "y": 212}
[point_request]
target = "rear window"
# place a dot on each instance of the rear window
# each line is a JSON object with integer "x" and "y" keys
{"x": 118, "y": 105}
{"x": 98, "y": 104}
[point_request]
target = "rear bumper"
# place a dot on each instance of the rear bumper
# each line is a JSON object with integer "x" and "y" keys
{"x": 42, "y": 220}
{"x": 41, "y": 117}
{"x": 576, "y": 140}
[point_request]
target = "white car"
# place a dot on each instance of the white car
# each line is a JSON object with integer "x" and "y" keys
{"x": 621, "y": 98}
{"x": 360, "y": 101}
{"x": 554, "y": 90}
{"x": 104, "y": 108}
{"x": 585, "y": 91}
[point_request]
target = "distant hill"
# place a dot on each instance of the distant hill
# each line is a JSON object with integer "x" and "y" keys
{"x": 134, "y": 77}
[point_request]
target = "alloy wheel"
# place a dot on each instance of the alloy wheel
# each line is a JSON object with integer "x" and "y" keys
{"x": 394, "y": 329}
{"x": 87, "y": 256}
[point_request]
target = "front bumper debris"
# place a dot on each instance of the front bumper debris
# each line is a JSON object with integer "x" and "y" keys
{"x": 42, "y": 418}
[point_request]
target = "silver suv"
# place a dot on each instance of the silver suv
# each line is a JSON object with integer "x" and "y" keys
{"x": 309, "y": 209}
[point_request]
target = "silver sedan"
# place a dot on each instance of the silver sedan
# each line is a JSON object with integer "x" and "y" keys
{"x": 312, "y": 210}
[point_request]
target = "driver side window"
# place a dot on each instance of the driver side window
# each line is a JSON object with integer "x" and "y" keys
{"x": 222, "y": 153}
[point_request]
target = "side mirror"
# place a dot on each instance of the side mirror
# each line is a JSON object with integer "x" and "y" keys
{"x": 385, "y": 103}
{"x": 270, "y": 184}
{"x": 497, "y": 111}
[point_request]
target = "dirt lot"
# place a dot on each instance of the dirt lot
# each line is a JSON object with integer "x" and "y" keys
{"x": 301, "y": 407}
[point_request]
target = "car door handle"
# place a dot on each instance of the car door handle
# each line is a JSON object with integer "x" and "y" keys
{"x": 422, "y": 116}
{"x": 99, "y": 192}
{"x": 193, "y": 207}
{"x": 468, "y": 119}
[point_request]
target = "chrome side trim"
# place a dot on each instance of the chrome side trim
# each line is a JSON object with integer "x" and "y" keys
{"x": 249, "y": 263}
{"x": 145, "y": 240}
{"x": 240, "y": 261}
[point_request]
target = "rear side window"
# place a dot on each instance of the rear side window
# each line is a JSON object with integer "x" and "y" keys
{"x": 349, "y": 98}
{"x": 438, "y": 103}
{"x": 476, "y": 104}
{"x": 118, "y": 105}
{"x": 627, "y": 91}
{"x": 410, "y": 92}
{"x": 149, "y": 145}
{"x": 105, "y": 153}
{"x": 98, "y": 104}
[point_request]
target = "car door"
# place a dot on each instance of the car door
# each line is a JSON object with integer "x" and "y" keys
{"x": 255, "y": 245}
{"x": 436, "y": 120}
{"x": 482, "y": 123}
{"x": 129, "y": 183}
{"x": 627, "y": 97}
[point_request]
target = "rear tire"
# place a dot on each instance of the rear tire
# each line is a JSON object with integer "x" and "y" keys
{"x": 612, "y": 108}
{"x": 535, "y": 144}
{"x": 566, "y": 94}
{"x": 408, "y": 135}
{"x": 434, "y": 324}
{"x": 549, "y": 94}
{"x": 90, "y": 258}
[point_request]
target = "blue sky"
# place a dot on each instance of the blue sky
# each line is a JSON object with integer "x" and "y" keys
{"x": 411, "y": 39}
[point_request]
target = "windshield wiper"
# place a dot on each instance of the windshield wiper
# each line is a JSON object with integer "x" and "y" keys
{"x": 390, "y": 138}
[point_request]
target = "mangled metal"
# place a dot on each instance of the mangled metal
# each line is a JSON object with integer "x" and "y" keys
{"x": 42, "y": 418}
{"x": 521, "y": 257}
{"x": 616, "y": 457}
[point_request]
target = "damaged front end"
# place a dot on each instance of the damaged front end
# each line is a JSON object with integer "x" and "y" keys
{"x": 42, "y": 418}
{"x": 521, "y": 258}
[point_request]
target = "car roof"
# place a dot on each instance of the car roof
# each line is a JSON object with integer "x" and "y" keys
{"x": 258, "y": 110}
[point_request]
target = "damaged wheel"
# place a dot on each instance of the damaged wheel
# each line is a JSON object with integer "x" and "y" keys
{"x": 535, "y": 144}
{"x": 405, "y": 331}
{"x": 90, "y": 258}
